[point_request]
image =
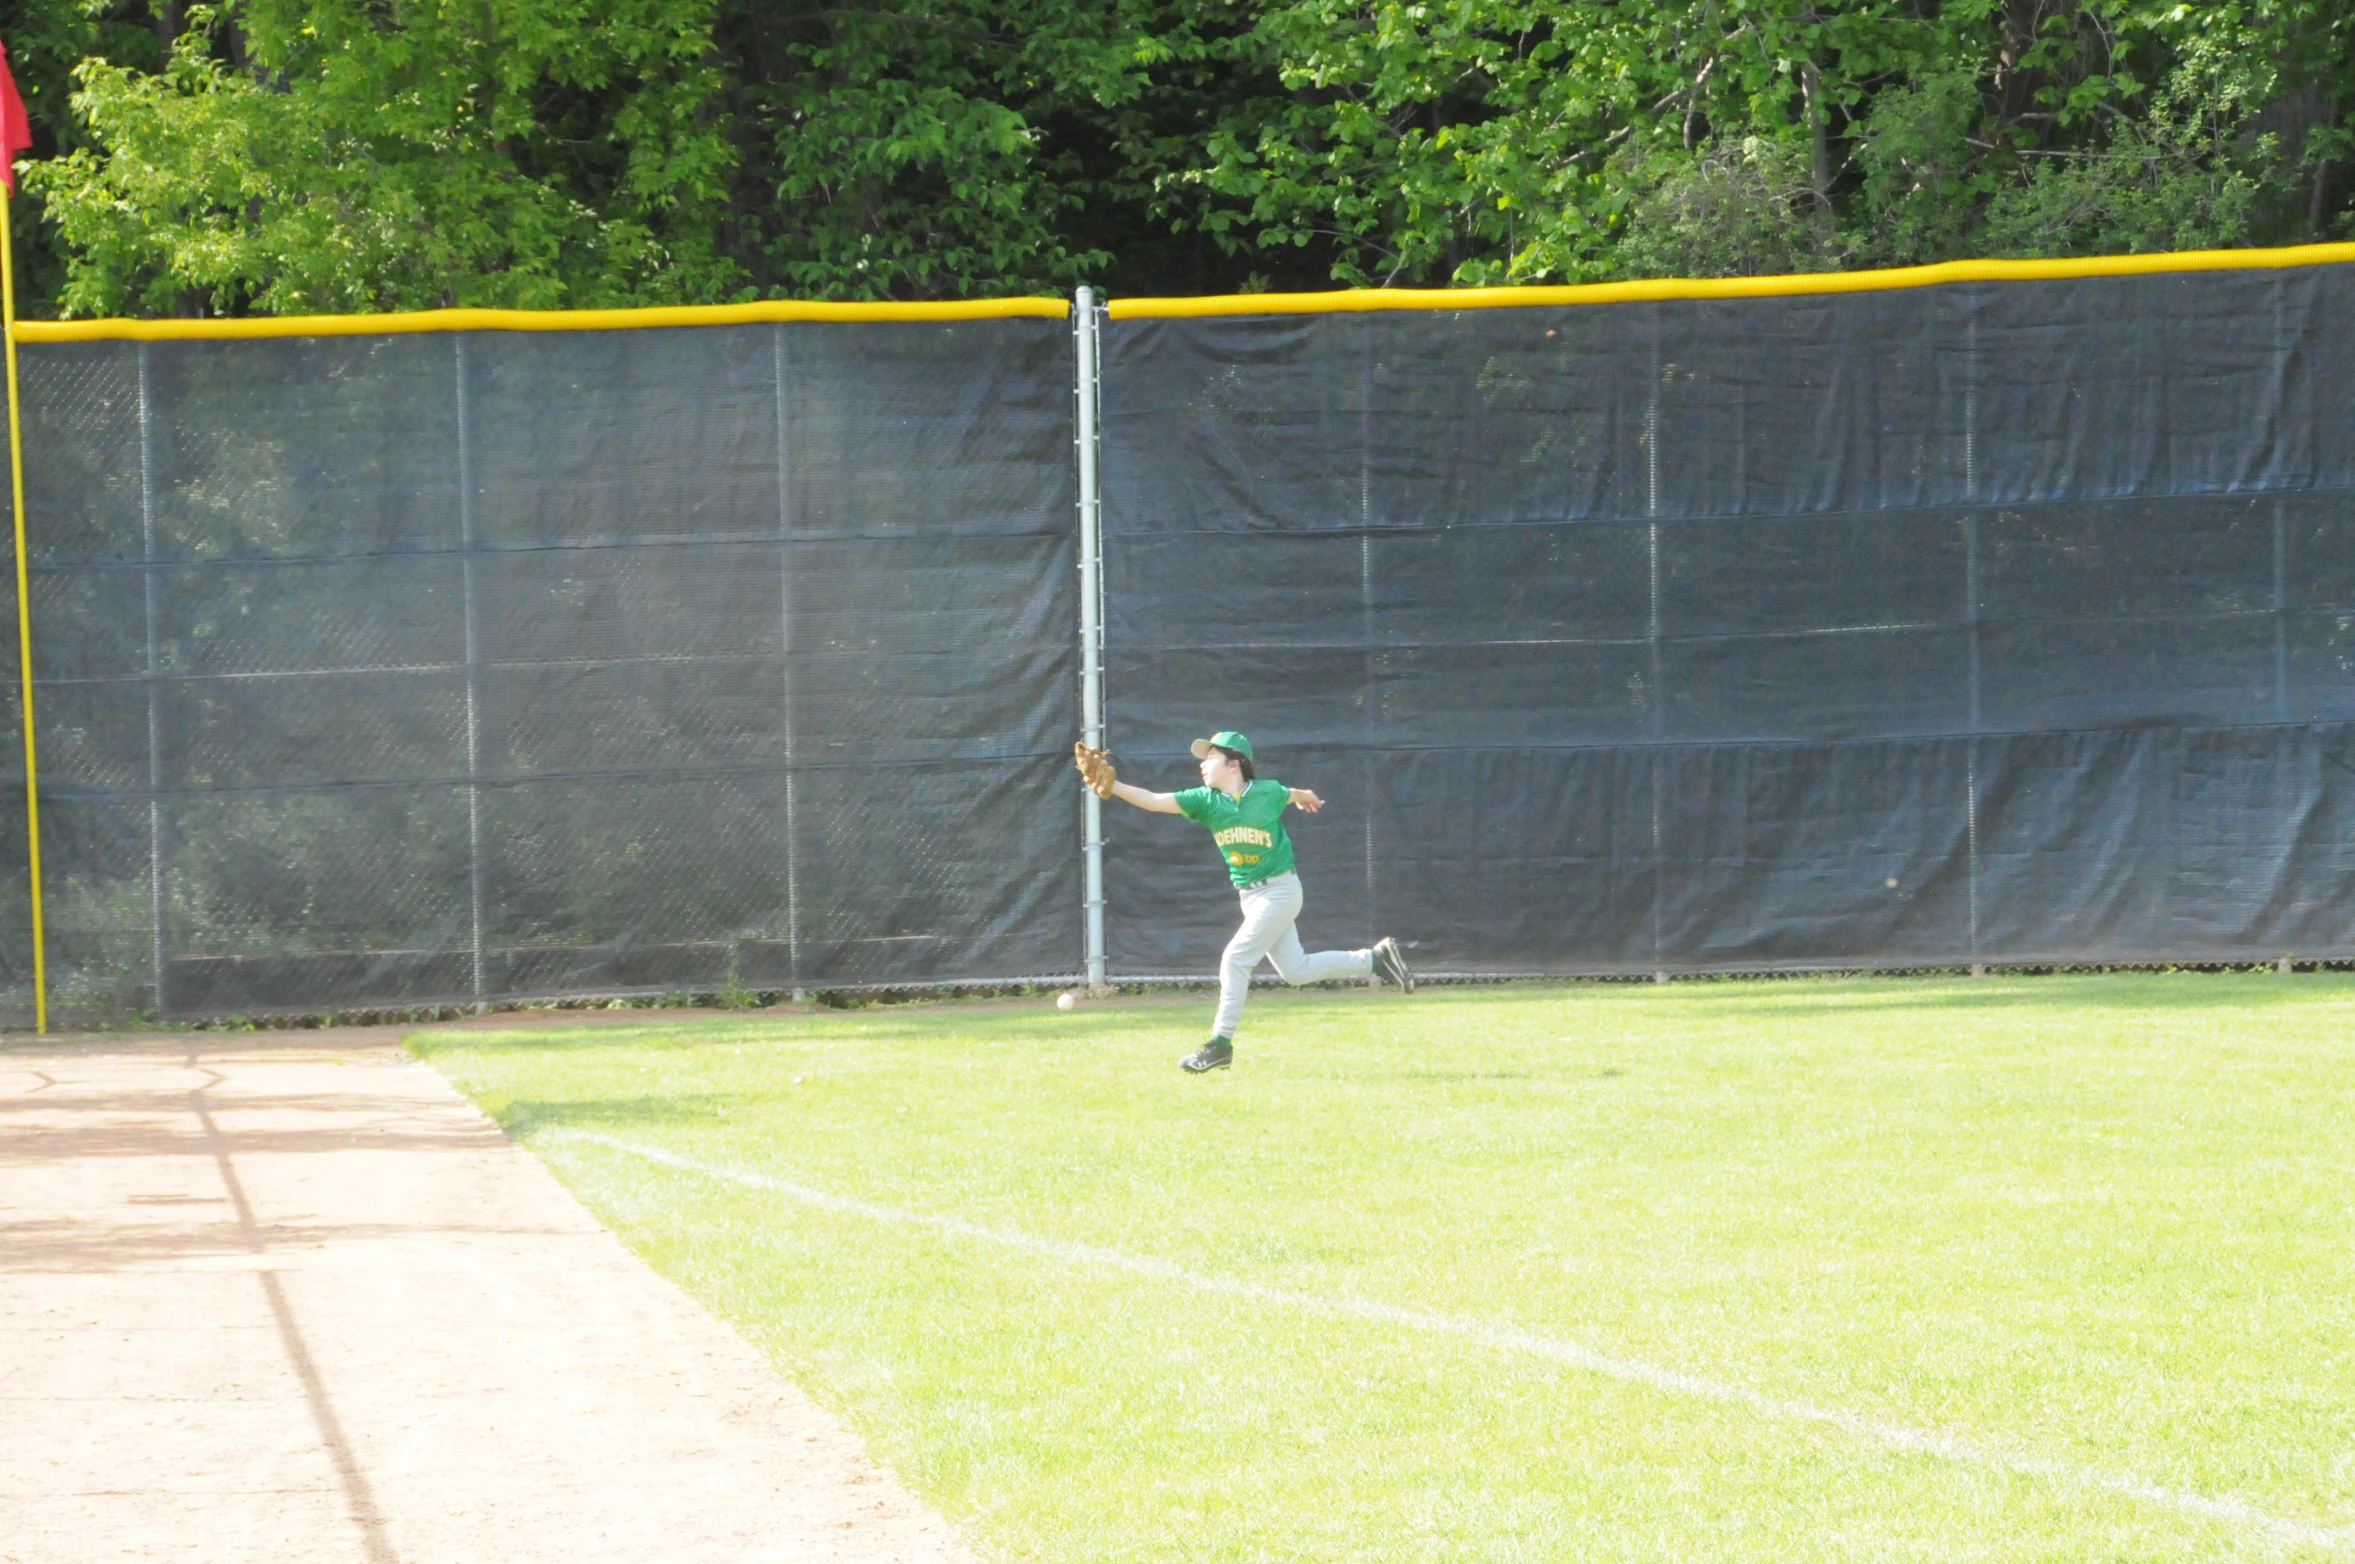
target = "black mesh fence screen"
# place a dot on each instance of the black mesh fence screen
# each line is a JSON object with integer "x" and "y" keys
{"x": 416, "y": 669}
{"x": 1990, "y": 622}
{"x": 2004, "y": 622}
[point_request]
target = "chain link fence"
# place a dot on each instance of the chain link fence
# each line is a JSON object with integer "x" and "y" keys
{"x": 464, "y": 667}
{"x": 1998, "y": 621}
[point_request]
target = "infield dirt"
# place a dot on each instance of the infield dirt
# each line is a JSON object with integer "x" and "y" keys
{"x": 290, "y": 1296}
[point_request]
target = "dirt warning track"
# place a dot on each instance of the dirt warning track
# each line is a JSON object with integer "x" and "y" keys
{"x": 293, "y": 1297}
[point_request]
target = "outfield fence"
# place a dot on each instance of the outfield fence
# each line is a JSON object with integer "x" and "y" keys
{"x": 1978, "y": 614}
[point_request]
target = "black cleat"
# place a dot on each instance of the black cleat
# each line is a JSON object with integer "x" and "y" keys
{"x": 1390, "y": 962}
{"x": 1216, "y": 1054}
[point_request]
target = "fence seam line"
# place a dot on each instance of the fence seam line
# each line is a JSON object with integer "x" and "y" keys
{"x": 1652, "y": 636}
{"x": 154, "y": 681}
{"x": 1972, "y": 617}
{"x": 473, "y": 670}
{"x": 785, "y": 663}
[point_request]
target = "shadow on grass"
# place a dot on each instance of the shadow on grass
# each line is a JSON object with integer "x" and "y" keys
{"x": 2140, "y": 992}
{"x": 698, "y": 1031}
{"x": 528, "y": 1116}
{"x": 974, "y": 1021}
{"x": 985, "y": 1023}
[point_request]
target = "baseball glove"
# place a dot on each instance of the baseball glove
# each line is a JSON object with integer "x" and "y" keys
{"x": 1095, "y": 769}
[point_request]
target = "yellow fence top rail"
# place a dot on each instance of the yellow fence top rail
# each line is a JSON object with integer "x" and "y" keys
{"x": 1347, "y": 301}
{"x": 1363, "y": 299}
{"x": 531, "y": 320}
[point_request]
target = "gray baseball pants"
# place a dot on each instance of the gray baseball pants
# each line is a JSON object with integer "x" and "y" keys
{"x": 1269, "y": 910}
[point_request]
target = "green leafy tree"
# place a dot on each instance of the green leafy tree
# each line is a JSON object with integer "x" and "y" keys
{"x": 296, "y": 155}
{"x": 47, "y": 41}
{"x": 1494, "y": 141}
{"x": 330, "y": 155}
{"x": 281, "y": 155}
{"x": 954, "y": 146}
{"x": 1500, "y": 141}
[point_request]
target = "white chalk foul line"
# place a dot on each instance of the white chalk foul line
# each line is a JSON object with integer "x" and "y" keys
{"x": 1506, "y": 1338}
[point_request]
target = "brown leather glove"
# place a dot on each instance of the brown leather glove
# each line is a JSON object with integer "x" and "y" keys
{"x": 1095, "y": 769}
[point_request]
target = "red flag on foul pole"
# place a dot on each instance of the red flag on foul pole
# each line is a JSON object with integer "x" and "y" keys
{"x": 16, "y": 131}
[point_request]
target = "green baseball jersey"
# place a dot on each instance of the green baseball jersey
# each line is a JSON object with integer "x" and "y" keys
{"x": 1249, "y": 830}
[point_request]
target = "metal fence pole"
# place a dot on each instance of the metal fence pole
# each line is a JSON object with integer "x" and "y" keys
{"x": 473, "y": 665}
{"x": 785, "y": 660}
{"x": 154, "y": 664}
{"x": 1091, "y": 617}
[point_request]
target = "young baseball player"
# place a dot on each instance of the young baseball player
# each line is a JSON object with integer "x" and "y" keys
{"x": 1245, "y": 817}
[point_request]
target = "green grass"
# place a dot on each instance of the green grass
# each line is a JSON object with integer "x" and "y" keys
{"x": 2098, "y": 1223}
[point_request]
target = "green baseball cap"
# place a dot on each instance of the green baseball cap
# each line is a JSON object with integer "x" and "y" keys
{"x": 1228, "y": 740}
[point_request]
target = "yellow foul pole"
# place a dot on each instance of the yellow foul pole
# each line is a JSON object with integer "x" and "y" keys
{"x": 24, "y": 609}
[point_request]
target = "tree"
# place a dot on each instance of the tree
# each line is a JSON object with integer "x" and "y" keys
{"x": 331, "y": 155}
{"x": 47, "y": 40}
{"x": 321, "y": 155}
{"x": 1496, "y": 141}
{"x": 294, "y": 155}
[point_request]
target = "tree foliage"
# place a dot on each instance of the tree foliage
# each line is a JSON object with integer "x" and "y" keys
{"x": 1491, "y": 141}
{"x": 302, "y": 157}
{"x": 324, "y": 155}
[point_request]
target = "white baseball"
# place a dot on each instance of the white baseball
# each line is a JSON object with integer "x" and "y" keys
{"x": 1065, "y": 1001}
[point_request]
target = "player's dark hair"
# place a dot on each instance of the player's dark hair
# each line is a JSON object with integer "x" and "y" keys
{"x": 1250, "y": 771}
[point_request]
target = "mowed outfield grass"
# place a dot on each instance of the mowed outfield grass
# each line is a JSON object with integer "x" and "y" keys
{"x": 2054, "y": 1268}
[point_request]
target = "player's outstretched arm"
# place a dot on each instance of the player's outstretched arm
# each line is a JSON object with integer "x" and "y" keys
{"x": 1158, "y": 803}
{"x": 1306, "y": 801}
{"x": 1097, "y": 771}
